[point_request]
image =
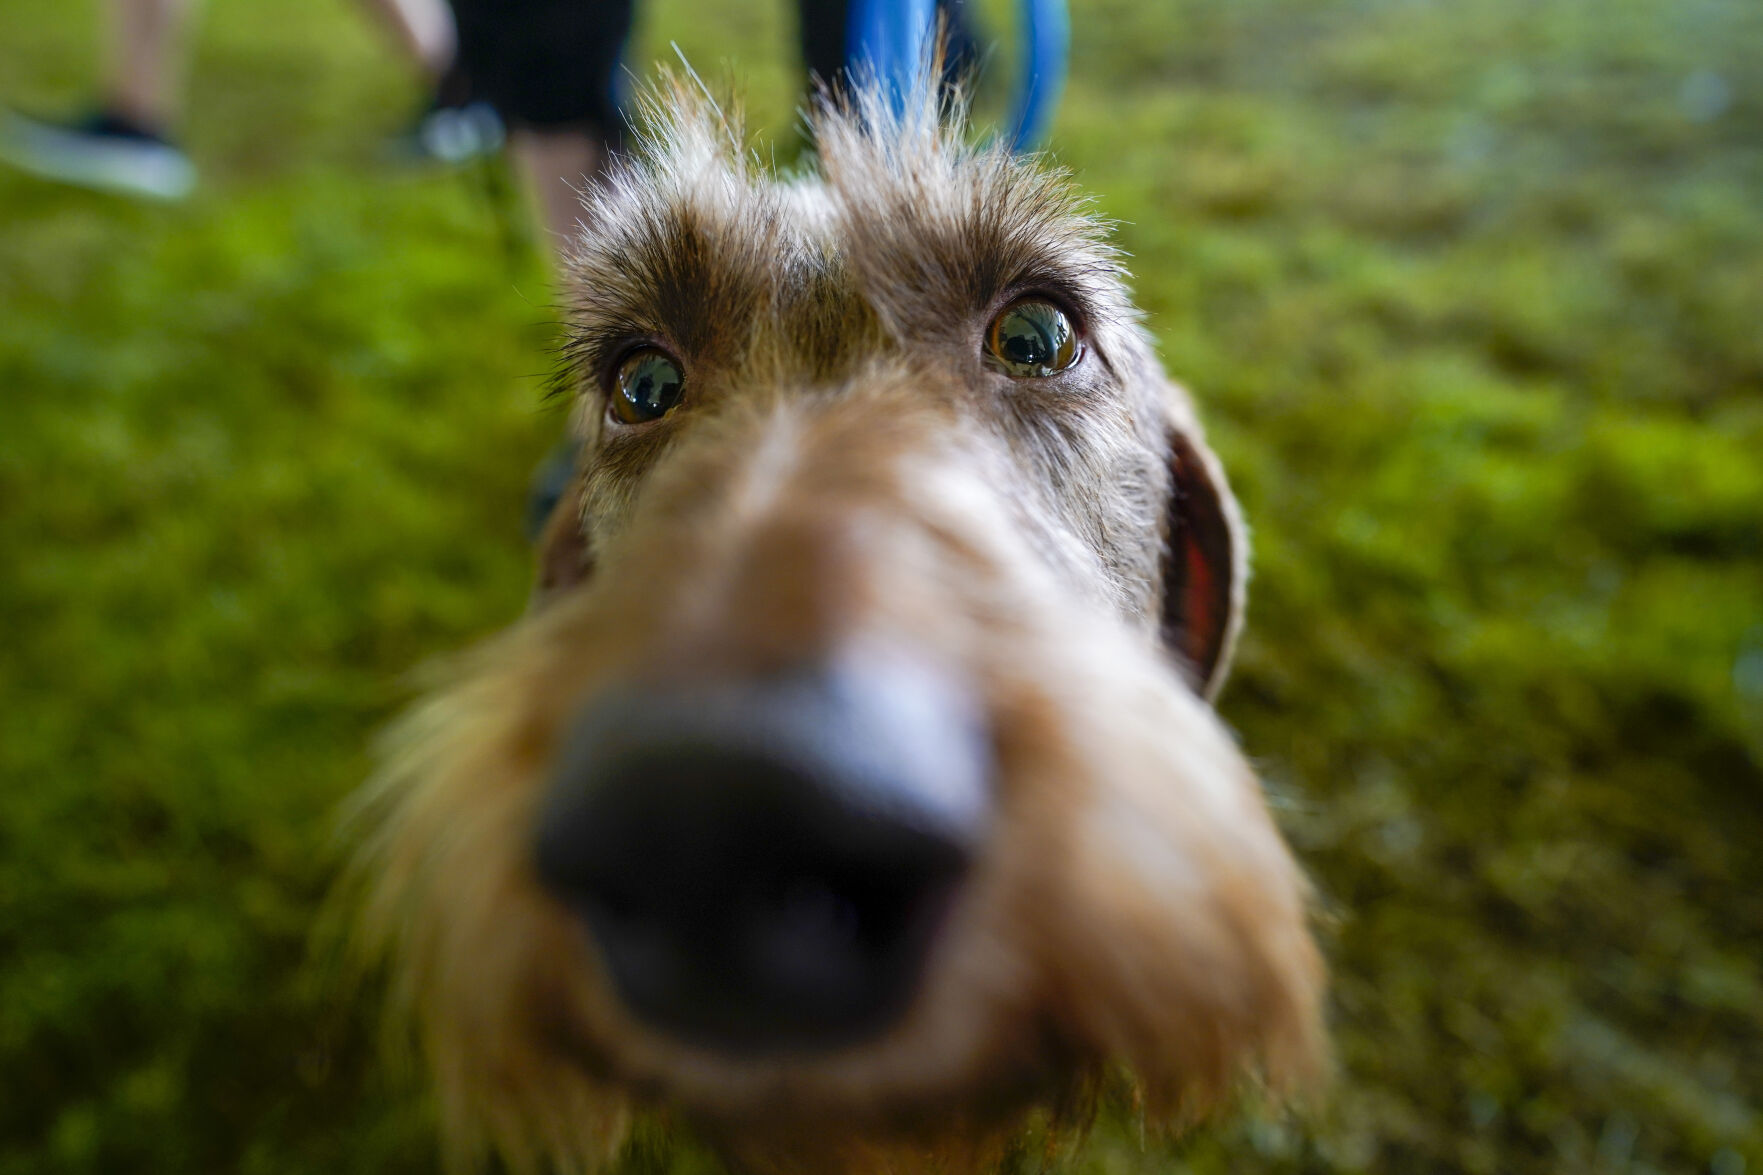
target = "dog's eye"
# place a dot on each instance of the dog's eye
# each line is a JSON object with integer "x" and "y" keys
{"x": 647, "y": 386}
{"x": 1031, "y": 338}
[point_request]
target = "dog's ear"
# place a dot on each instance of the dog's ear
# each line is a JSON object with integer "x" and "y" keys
{"x": 563, "y": 557}
{"x": 1205, "y": 565}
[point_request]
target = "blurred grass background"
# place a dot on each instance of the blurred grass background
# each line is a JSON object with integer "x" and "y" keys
{"x": 1472, "y": 296}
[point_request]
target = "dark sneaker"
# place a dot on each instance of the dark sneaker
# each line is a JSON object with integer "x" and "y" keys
{"x": 104, "y": 152}
{"x": 452, "y": 135}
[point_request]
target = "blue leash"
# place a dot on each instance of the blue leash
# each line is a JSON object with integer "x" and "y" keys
{"x": 887, "y": 38}
{"x": 1046, "y": 28}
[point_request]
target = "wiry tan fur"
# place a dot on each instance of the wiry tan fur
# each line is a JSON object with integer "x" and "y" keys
{"x": 844, "y": 472}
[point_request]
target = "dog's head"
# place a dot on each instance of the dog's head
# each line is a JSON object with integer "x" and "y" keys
{"x": 852, "y": 787}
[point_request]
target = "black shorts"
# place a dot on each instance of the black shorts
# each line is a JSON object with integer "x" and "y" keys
{"x": 544, "y": 64}
{"x": 555, "y": 64}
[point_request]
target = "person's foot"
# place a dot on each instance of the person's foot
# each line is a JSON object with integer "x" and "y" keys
{"x": 451, "y": 135}
{"x": 105, "y": 152}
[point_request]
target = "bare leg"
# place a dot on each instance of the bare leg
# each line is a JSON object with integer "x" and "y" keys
{"x": 424, "y": 29}
{"x": 144, "y": 58}
{"x": 557, "y": 165}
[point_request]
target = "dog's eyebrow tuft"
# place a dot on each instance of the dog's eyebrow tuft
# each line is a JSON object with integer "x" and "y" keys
{"x": 691, "y": 228}
{"x": 683, "y": 271}
{"x": 938, "y": 225}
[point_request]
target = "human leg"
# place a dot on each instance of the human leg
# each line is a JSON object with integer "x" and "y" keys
{"x": 144, "y": 60}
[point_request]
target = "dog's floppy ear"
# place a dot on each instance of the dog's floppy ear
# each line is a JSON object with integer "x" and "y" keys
{"x": 1205, "y": 565}
{"x": 563, "y": 557}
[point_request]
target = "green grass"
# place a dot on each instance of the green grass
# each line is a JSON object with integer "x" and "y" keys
{"x": 1472, "y": 298}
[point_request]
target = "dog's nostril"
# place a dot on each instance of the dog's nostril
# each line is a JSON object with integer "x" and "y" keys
{"x": 812, "y": 910}
{"x": 764, "y": 864}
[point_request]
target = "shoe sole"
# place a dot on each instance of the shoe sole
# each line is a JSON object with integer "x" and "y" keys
{"x": 154, "y": 171}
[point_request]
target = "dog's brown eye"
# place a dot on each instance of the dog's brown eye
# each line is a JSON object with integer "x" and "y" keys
{"x": 647, "y": 386}
{"x": 1031, "y": 338}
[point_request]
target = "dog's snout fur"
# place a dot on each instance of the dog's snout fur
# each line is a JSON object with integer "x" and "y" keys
{"x": 851, "y": 789}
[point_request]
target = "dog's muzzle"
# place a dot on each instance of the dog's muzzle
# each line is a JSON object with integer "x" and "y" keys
{"x": 764, "y": 864}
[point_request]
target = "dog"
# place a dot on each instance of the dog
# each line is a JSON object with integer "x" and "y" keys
{"x": 851, "y": 791}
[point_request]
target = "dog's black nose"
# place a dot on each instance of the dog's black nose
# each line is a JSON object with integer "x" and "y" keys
{"x": 764, "y": 864}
